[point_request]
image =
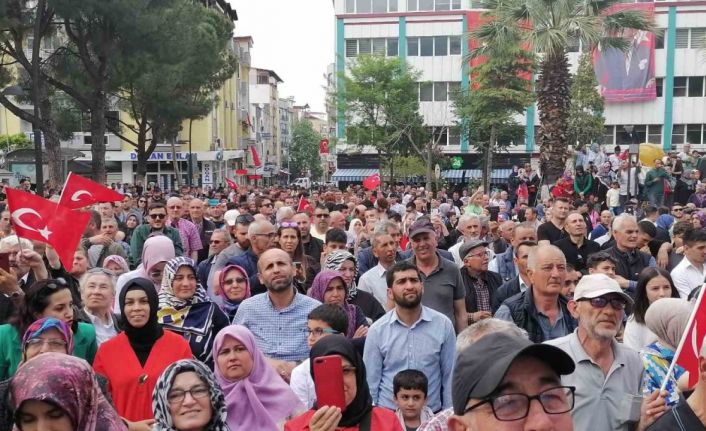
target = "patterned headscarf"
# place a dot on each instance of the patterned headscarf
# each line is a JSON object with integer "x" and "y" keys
{"x": 174, "y": 311}
{"x": 38, "y": 327}
{"x": 70, "y": 384}
{"x": 117, "y": 259}
{"x": 318, "y": 289}
{"x": 160, "y": 405}
{"x": 228, "y": 305}
{"x": 335, "y": 260}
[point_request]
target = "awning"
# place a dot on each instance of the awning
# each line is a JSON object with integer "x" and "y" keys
{"x": 497, "y": 175}
{"x": 453, "y": 175}
{"x": 352, "y": 175}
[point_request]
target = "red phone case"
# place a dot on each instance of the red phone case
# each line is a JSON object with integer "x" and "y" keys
{"x": 328, "y": 380}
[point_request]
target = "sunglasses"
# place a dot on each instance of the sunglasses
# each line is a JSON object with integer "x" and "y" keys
{"x": 54, "y": 284}
{"x": 601, "y": 302}
{"x": 229, "y": 281}
{"x": 215, "y": 241}
{"x": 321, "y": 215}
{"x": 158, "y": 216}
{"x": 289, "y": 224}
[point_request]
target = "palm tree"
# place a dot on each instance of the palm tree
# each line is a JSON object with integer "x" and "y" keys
{"x": 550, "y": 27}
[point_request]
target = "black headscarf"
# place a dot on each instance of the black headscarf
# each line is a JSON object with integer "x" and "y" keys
{"x": 142, "y": 339}
{"x": 362, "y": 404}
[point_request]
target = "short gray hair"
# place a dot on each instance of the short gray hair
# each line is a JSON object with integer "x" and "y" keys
{"x": 284, "y": 213}
{"x": 622, "y": 218}
{"x": 484, "y": 327}
{"x": 536, "y": 251}
{"x": 258, "y": 225}
{"x": 383, "y": 226}
{"x": 10, "y": 241}
{"x": 225, "y": 234}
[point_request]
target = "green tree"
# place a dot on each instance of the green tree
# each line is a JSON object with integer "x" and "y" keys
{"x": 499, "y": 94}
{"x": 14, "y": 142}
{"x": 380, "y": 105}
{"x": 304, "y": 156}
{"x": 586, "y": 121}
{"x": 555, "y": 25}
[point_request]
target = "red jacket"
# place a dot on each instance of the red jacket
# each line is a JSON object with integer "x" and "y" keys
{"x": 382, "y": 420}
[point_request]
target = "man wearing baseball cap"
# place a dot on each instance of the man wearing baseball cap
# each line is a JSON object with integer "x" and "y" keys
{"x": 496, "y": 383}
{"x": 608, "y": 374}
{"x": 481, "y": 285}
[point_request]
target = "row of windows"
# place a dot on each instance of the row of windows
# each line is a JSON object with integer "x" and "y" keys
{"x": 684, "y": 86}
{"x": 652, "y": 133}
{"x": 378, "y": 46}
{"x": 438, "y": 91}
{"x": 445, "y": 135}
{"x": 382, "y": 6}
{"x": 691, "y": 133}
{"x": 684, "y": 38}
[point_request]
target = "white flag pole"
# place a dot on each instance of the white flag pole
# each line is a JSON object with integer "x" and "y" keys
{"x": 64, "y": 188}
{"x": 685, "y": 336}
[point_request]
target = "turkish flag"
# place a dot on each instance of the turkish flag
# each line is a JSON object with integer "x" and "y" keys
{"x": 39, "y": 219}
{"x": 687, "y": 353}
{"x": 231, "y": 184}
{"x": 80, "y": 192}
{"x": 304, "y": 205}
{"x": 372, "y": 182}
{"x": 255, "y": 157}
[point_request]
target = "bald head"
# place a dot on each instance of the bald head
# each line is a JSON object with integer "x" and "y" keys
{"x": 275, "y": 271}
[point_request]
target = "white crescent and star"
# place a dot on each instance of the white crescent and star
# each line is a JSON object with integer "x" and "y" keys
{"x": 17, "y": 219}
{"x": 77, "y": 195}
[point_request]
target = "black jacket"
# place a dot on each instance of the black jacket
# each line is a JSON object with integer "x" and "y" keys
{"x": 525, "y": 315}
{"x": 630, "y": 264}
{"x": 492, "y": 280}
{"x": 205, "y": 231}
{"x": 508, "y": 289}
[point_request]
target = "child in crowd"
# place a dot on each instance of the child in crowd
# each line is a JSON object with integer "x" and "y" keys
{"x": 410, "y": 390}
{"x": 612, "y": 198}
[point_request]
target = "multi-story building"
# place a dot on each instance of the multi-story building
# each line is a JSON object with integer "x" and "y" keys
{"x": 286, "y": 126}
{"x": 264, "y": 109}
{"x": 428, "y": 35}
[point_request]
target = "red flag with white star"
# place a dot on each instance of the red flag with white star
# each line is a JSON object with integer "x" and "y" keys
{"x": 689, "y": 348}
{"x": 80, "y": 192}
{"x": 39, "y": 219}
{"x": 372, "y": 182}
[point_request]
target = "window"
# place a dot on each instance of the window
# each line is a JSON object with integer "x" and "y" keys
{"x": 679, "y": 86}
{"x": 659, "y": 38}
{"x": 426, "y": 4}
{"x": 393, "y": 6}
{"x": 443, "y": 5}
{"x": 659, "y": 84}
{"x": 363, "y": 6}
{"x": 392, "y": 47}
{"x": 379, "y": 6}
{"x": 693, "y": 133}
{"x": 426, "y": 46}
{"x": 350, "y": 6}
{"x": 364, "y": 46}
{"x": 698, "y": 38}
{"x": 379, "y": 46}
{"x": 413, "y": 46}
{"x": 454, "y": 89}
{"x": 351, "y": 47}
{"x": 682, "y": 39}
{"x": 455, "y": 4}
{"x": 678, "y": 134}
{"x": 640, "y": 132}
{"x": 654, "y": 135}
{"x": 696, "y": 86}
{"x": 411, "y": 5}
{"x": 608, "y": 135}
{"x": 426, "y": 92}
{"x": 441, "y": 45}
{"x": 440, "y": 135}
{"x": 263, "y": 79}
{"x": 454, "y": 45}
{"x": 454, "y": 135}
{"x": 440, "y": 91}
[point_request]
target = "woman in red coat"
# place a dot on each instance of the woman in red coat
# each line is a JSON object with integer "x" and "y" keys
{"x": 359, "y": 413}
{"x": 133, "y": 360}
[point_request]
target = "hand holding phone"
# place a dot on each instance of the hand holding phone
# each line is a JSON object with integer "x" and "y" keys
{"x": 328, "y": 381}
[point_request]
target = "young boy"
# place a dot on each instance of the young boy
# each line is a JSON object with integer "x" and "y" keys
{"x": 336, "y": 239}
{"x": 410, "y": 390}
{"x": 323, "y": 321}
{"x": 612, "y": 198}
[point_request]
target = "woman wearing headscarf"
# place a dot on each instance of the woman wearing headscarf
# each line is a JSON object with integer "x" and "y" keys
{"x": 667, "y": 319}
{"x": 61, "y": 390}
{"x": 186, "y": 308}
{"x": 46, "y": 298}
{"x": 359, "y": 404}
{"x": 698, "y": 220}
{"x": 205, "y": 399}
{"x": 256, "y": 396}
{"x": 131, "y": 223}
{"x": 134, "y": 359}
{"x": 117, "y": 264}
{"x": 353, "y": 234}
{"x": 698, "y": 198}
{"x": 583, "y": 181}
{"x": 344, "y": 262}
{"x": 330, "y": 288}
{"x": 156, "y": 252}
{"x": 234, "y": 288}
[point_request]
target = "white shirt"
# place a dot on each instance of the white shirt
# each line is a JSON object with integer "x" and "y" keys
{"x": 687, "y": 277}
{"x": 374, "y": 282}
{"x": 613, "y": 197}
{"x": 302, "y": 384}
{"x": 104, "y": 331}
{"x": 637, "y": 336}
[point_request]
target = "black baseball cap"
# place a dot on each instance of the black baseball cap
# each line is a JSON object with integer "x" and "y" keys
{"x": 482, "y": 367}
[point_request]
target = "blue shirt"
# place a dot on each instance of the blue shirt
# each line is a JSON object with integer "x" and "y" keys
{"x": 279, "y": 334}
{"x": 429, "y": 345}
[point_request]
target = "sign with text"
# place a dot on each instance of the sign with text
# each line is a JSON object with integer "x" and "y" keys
{"x": 207, "y": 173}
{"x": 163, "y": 155}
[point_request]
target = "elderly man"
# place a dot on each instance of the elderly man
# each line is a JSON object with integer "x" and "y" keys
{"x": 443, "y": 286}
{"x": 98, "y": 296}
{"x": 608, "y": 375}
{"x": 263, "y": 236}
{"x": 496, "y": 382}
{"x": 127, "y": 209}
{"x": 384, "y": 247}
{"x": 26, "y": 267}
{"x": 504, "y": 263}
{"x": 204, "y": 226}
{"x": 219, "y": 240}
{"x": 188, "y": 232}
{"x": 237, "y": 225}
{"x": 337, "y": 220}
{"x": 541, "y": 310}
{"x": 521, "y": 282}
{"x": 481, "y": 285}
{"x": 576, "y": 247}
{"x": 603, "y": 226}
{"x": 630, "y": 261}
{"x": 321, "y": 223}
{"x": 470, "y": 228}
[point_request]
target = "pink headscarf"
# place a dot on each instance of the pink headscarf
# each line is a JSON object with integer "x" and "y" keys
{"x": 156, "y": 249}
{"x": 261, "y": 400}
{"x": 318, "y": 289}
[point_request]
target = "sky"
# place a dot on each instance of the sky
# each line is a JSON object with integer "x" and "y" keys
{"x": 295, "y": 38}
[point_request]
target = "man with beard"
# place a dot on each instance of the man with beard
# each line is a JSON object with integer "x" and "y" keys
{"x": 410, "y": 334}
{"x": 608, "y": 375}
{"x": 276, "y": 317}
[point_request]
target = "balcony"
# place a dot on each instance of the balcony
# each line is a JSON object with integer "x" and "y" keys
{"x": 82, "y": 141}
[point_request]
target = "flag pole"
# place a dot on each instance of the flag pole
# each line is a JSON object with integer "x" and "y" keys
{"x": 64, "y": 188}
{"x": 684, "y": 337}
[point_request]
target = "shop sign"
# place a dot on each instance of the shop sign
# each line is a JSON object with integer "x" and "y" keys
{"x": 207, "y": 173}
{"x": 163, "y": 155}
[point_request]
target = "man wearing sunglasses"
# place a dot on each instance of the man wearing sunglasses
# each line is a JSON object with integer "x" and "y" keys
{"x": 507, "y": 383}
{"x": 608, "y": 374}
{"x": 156, "y": 218}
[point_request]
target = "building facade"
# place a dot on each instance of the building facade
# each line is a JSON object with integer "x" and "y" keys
{"x": 264, "y": 108}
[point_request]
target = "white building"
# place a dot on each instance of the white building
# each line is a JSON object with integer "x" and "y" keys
{"x": 264, "y": 110}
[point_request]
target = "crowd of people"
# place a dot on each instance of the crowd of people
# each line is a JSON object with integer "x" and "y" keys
{"x": 447, "y": 310}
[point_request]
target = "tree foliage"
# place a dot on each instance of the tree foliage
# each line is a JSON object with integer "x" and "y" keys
{"x": 304, "y": 156}
{"x": 586, "y": 121}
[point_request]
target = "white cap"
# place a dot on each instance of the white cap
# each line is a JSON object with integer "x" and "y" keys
{"x": 595, "y": 285}
{"x": 230, "y": 217}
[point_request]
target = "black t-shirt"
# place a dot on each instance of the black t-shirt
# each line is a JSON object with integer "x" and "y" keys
{"x": 679, "y": 418}
{"x": 547, "y": 231}
{"x": 575, "y": 256}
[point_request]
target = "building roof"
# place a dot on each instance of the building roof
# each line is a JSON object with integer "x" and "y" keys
{"x": 271, "y": 72}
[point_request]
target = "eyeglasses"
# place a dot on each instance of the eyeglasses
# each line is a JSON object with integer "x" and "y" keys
{"x": 677, "y": 209}
{"x": 321, "y": 331}
{"x": 142, "y": 201}
{"x": 215, "y": 241}
{"x": 158, "y": 216}
{"x": 269, "y": 235}
{"x": 321, "y": 215}
{"x": 177, "y": 396}
{"x": 52, "y": 343}
{"x": 289, "y": 224}
{"x": 602, "y": 302}
{"x": 486, "y": 253}
{"x": 512, "y": 407}
{"x": 229, "y": 281}
{"x": 244, "y": 219}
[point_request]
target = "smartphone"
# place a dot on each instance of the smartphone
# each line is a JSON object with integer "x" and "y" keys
{"x": 5, "y": 261}
{"x": 494, "y": 213}
{"x": 328, "y": 381}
